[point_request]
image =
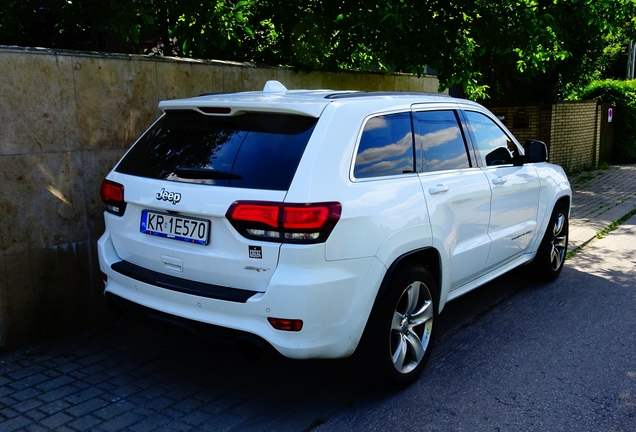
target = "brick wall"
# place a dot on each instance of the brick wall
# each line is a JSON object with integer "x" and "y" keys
{"x": 568, "y": 128}
{"x": 573, "y": 141}
{"x": 512, "y": 116}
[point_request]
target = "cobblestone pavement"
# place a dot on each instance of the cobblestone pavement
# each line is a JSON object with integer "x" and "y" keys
{"x": 600, "y": 198}
{"x": 129, "y": 377}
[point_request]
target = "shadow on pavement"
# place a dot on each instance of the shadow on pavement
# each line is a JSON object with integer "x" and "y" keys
{"x": 130, "y": 376}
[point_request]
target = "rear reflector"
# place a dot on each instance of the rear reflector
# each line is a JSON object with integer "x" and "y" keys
{"x": 282, "y": 222}
{"x": 286, "y": 324}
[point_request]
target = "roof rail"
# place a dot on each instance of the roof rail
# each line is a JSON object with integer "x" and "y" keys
{"x": 382, "y": 93}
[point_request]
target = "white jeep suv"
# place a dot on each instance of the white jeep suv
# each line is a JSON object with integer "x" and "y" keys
{"x": 326, "y": 223}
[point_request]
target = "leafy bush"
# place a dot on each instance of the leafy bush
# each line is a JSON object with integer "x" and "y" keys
{"x": 622, "y": 94}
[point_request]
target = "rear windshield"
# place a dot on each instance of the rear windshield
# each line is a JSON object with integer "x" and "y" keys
{"x": 253, "y": 150}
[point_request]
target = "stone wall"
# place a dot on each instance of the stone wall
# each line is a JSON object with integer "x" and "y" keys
{"x": 65, "y": 120}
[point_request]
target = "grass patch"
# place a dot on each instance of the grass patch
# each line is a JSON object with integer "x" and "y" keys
{"x": 582, "y": 178}
{"x": 615, "y": 224}
{"x": 603, "y": 233}
{"x": 586, "y": 175}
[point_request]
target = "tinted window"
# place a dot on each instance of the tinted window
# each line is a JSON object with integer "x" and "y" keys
{"x": 386, "y": 147}
{"x": 441, "y": 140}
{"x": 493, "y": 146}
{"x": 254, "y": 150}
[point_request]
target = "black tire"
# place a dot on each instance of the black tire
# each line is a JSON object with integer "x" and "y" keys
{"x": 548, "y": 262}
{"x": 400, "y": 333}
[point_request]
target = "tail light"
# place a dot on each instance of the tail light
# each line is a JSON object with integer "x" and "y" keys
{"x": 285, "y": 223}
{"x": 112, "y": 195}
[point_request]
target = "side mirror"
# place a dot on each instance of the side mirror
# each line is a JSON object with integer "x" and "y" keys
{"x": 499, "y": 156}
{"x": 536, "y": 151}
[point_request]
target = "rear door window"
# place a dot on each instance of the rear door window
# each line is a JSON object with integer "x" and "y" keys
{"x": 253, "y": 150}
{"x": 386, "y": 147}
{"x": 441, "y": 141}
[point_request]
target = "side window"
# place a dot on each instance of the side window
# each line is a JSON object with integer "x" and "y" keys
{"x": 493, "y": 146}
{"x": 441, "y": 141}
{"x": 386, "y": 147}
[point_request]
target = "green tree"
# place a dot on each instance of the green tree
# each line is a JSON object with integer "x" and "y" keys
{"x": 505, "y": 50}
{"x": 394, "y": 35}
{"x": 106, "y": 25}
{"x": 194, "y": 28}
{"x": 622, "y": 95}
{"x": 508, "y": 50}
{"x": 540, "y": 47}
{"x": 205, "y": 29}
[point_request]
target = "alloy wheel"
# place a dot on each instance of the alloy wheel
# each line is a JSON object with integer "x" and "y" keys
{"x": 411, "y": 327}
{"x": 559, "y": 242}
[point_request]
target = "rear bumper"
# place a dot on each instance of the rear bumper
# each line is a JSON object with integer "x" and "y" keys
{"x": 332, "y": 298}
{"x": 243, "y": 343}
{"x": 181, "y": 285}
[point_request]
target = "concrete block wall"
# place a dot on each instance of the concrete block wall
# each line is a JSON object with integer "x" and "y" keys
{"x": 65, "y": 120}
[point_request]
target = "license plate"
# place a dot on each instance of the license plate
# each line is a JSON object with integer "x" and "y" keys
{"x": 177, "y": 227}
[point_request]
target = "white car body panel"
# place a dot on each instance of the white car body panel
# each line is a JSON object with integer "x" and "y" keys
{"x": 513, "y": 212}
{"x": 227, "y": 249}
{"x": 459, "y": 206}
{"x": 331, "y": 328}
{"x": 476, "y": 228}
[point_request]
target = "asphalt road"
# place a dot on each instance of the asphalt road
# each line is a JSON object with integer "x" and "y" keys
{"x": 550, "y": 357}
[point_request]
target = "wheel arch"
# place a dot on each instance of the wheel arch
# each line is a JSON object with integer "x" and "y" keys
{"x": 567, "y": 200}
{"x": 428, "y": 257}
{"x": 564, "y": 199}
{"x": 552, "y": 245}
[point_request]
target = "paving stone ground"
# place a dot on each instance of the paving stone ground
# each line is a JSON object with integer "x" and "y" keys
{"x": 130, "y": 377}
{"x": 600, "y": 198}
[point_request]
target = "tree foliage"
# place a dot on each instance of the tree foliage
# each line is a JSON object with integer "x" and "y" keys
{"x": 550, "y": 44}
{"x": 508, "y": 50}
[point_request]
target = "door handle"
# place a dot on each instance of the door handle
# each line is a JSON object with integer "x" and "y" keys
{"x": 499, "y": 180}
{"x": 440, "y": 188}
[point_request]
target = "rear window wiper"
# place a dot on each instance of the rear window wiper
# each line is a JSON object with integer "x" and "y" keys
{"x": 206, "y": 174}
